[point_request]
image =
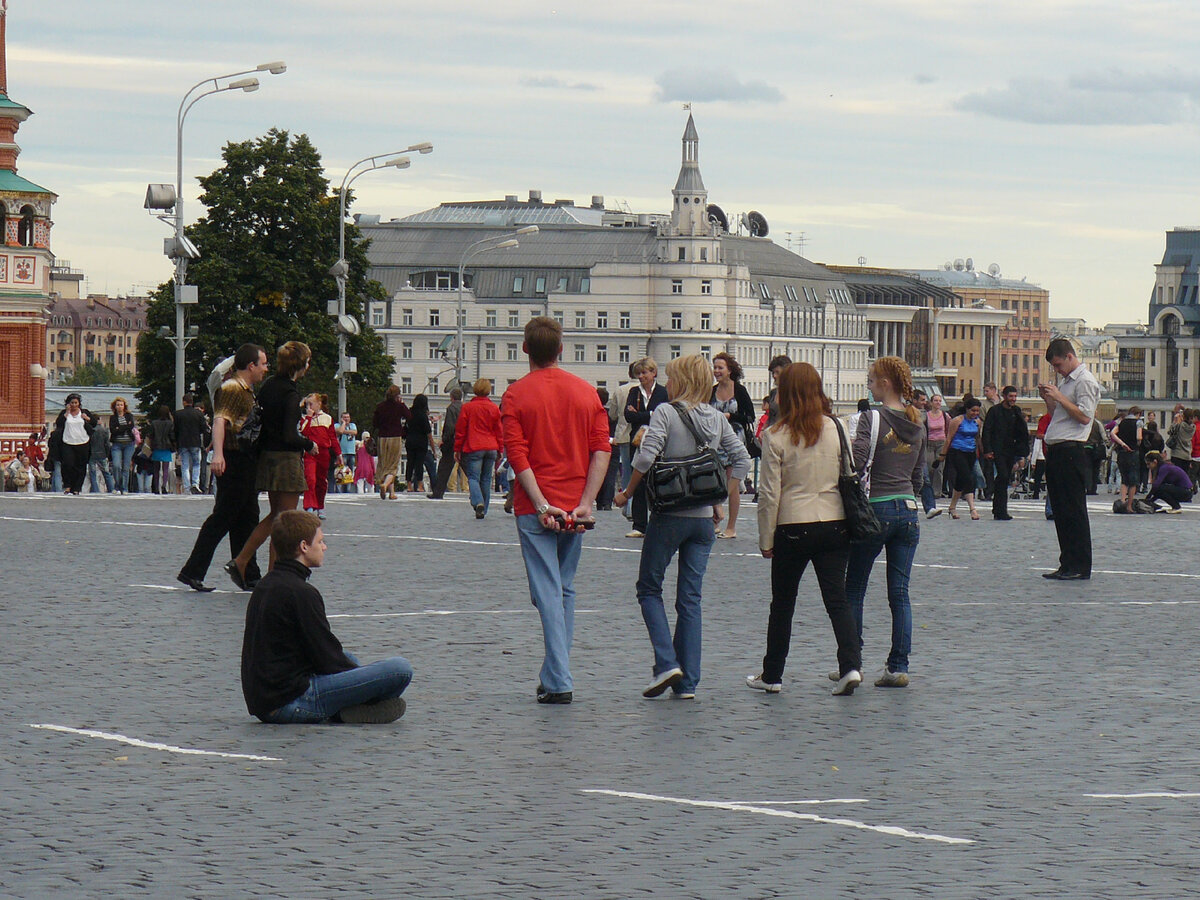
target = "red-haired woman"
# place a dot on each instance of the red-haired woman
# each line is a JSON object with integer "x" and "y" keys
{"x": 732, "y": 400}
{"x": 801, "y": 520}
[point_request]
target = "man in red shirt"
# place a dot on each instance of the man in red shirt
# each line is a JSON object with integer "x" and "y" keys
{"x": 556, "y": 438}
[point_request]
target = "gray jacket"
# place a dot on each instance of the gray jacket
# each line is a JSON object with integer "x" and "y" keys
{"x": 101, "y": 446}
{"x": 668, "y": 436}
{"x": 898, "y": 467}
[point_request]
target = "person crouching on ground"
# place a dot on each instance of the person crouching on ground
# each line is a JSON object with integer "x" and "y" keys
{"x": 1168, "y": 483}
{"x": 293, "y": 668}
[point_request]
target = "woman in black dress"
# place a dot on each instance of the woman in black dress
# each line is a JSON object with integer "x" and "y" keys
{"x": 417, "y": 442}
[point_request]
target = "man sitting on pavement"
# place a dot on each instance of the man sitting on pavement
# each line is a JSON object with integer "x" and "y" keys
{"x": 293, "y": 668}
{"x": 1169, "y": 483}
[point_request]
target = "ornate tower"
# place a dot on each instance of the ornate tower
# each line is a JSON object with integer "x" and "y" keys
{"x": 688, "y": 215}
{"x": 25, "y": 262}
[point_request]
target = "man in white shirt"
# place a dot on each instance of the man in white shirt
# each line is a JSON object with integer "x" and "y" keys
{"x": 621, "y": 437}
{"x": 1072, "y": 406}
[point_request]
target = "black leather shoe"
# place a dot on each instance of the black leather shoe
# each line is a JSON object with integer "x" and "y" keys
{"x": 551, "y": 697}
{"x": 1003, "y": 518}
{"x": 232, "y": 570}
{"x": 194, "y": 583}
{"x": 1053, "y": 576}
{"x": 1073, "y": 576}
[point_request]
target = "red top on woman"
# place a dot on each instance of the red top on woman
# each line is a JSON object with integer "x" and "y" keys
{"x": 478, "y": 427}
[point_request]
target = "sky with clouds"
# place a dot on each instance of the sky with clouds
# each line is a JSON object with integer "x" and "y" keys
{"x": 1056, "y": 138}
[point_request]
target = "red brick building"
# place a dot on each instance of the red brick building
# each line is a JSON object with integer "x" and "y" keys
{"x": 25, "y": 263}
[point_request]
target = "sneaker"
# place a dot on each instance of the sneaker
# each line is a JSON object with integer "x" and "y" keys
{"x": 892, "y": 679}
{"x": 847, "y": 683}
{"x": 667, "y": 679}
{"x": 321, "y": 514}
{"x": 551, "y": 697}
{"x": 756, "y": 683}
{"x": 635, "y": 534}
{"x": 684, "y": 695}
{"x": 479, "y": 511}
{"x": 933, "y": 514}
{"x": 1173, "y": 512}
{"x": 379, "y": 713}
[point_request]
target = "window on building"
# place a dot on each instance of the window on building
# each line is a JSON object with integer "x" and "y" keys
{"x": 406, "y": 350}
{"x": 682, "y": 254}
{"x": 579, "y": 353}
{"x": 1152, "y": 386}
{"x": 706, "y": 286}
{"x": 676, "y": 351}
{"x": 625, "y": 318}
{"x": 623, "y": 353}
{"x": 514, "y": 318}
{"x": 518, "y": 284}
{"x": 406, "y": 318}
{"x": 602, "y": 353}
{"x": 490, "y": 318}
{"x": 378, "y": 315}
{"x": 585, "y": 285}
{"x": 703, "y": 254}
{"x": 1153, "y": 357}
{"x": 602, "y": 318}
{"x": 489, "y": 351}
{"x": 706, "y": 351}
{"x": 406, "y": 384}
{"x": 676, "y": 285}
{"x": 433, "y": 349}
{"x": 580, "y": 318}
{"x": 26, "y": 230}
{"x": 562, "y": 283}
{"x": 462, "y": 317}
{"x": 435, "y": 317}
{"x": 705, "y": 321}
{"x": 1185, "y": 386}
{"x": 560, "y": 316}
{"x": 539, "y": 286}
{"x": 677, "y": 321}
{"x": 511, "y": 352}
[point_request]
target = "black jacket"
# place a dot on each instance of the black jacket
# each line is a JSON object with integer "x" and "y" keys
{"x": 279, "y": 400}
{"x": 1005, "y": 433}
{"x": 641, "y": 414}
{"x": 190, "y": 427}
{"x": 287, "y": 639}
{"x": 744, "y": 416}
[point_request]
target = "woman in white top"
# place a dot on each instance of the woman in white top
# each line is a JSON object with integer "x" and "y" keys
{"x": 74, "y": 427}
{"x": 800, "y": 520}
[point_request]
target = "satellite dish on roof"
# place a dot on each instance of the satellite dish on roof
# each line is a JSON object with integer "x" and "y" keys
{"x": 947, "y": 266}
{"x": 970, "y": 264}
{"x": 757, "y": 223}
{"x": 994, "y": 270}
{"x": 717, "y": 216}
{"x": 959, "y": 265}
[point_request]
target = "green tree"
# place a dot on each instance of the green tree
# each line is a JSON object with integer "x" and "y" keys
{"x": 267, "y": 240}
{"x": 95, "y": 373}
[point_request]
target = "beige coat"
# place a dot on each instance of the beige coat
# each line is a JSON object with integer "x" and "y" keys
{"x": 798, "y": 483}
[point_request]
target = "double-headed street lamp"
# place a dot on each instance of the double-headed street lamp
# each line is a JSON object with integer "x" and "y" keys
{"x": 506, "y": 241}
{"x": 348, "y": 326}
{"x": 162, "y": 197}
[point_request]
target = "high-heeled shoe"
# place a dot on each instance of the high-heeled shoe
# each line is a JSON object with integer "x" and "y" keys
{"x": 235, "y": 574}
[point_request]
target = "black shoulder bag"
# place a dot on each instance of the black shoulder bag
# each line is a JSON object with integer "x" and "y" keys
{"x": 686, "y": 482}
{"x": 861, "y": 521}
{"x": 248, "y": 437}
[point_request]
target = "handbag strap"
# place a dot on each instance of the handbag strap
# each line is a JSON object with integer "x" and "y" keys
{"x": 866, "y": 476}
{"x": 844, "y": 457}
{"x": 686, "y": 417}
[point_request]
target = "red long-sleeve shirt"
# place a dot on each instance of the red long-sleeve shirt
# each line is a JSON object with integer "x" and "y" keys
{"x": 478, "y": 427}
{"x": 553, "y": 423}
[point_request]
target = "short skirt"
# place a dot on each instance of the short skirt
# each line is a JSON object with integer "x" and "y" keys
{"x": 161, "y": 456}
{"x": 281, "y": 471}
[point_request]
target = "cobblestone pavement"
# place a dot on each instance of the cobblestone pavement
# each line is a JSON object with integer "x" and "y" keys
{"x": 1029, "y": 698}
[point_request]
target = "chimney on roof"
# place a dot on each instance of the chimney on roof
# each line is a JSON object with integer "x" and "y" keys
{"x": 510, "y": 198}
{"x": 564, "y": 202}
{"x": 535, "y": 196}
{"x": 597, "y": 201}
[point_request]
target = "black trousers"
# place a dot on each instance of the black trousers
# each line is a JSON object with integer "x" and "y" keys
{"x": 1001, "y": 478}
{"x": 1172, "y": 494}
{"x": 827, "y": 546}
{"x": 235, "y": 512}
{"x": 74, "y": 459}
{"x": 1039, "y": 472}
{"x": 444, "y": 468}
{"x": 414, "y": 472}
{"x": 1068, "y": 475}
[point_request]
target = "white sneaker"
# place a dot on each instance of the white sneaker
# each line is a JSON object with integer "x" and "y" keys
{"x": 1173, "y": 512}
{"x": 756, "y": 683}
{"x": 635, "y": 534}
{"x": 667, "y": 679}
{"x": 847, "y": 683}
{"x": 892, "y": 679}
{"x": 933, "y": 514}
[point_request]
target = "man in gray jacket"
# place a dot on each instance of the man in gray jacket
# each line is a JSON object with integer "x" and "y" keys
{"x": 101, "y": 450}
{"x": 446, "y": 462}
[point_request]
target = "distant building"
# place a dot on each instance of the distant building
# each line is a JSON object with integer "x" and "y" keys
{"x": 25, "y": 261}
{"x": 1023, "y": 340}
{"x": 623, "y": 286}
{"x": 952, "y": 348}
{"x": 94, "y": 329}
{"x": 1095, "y": 348}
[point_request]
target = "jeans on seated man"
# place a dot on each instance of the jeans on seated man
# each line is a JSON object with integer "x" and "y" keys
{"x": 294, "y": 669}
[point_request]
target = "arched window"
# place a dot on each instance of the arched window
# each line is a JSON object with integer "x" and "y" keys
{"x": 1170, "y": 325}
{"x": 25, "y": 228}
{"x": 3, "y": 226}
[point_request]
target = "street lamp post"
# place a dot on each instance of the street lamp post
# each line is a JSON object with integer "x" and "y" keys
{"x": 180, "y": 249}
{"x": 506, "y": 241}
{"x": 347, "y": 326}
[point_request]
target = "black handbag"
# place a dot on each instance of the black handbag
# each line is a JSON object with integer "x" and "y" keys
{"x": 861, "y": 522}
{"x": 251, "y": 432}
{"x": 686, "y": 482}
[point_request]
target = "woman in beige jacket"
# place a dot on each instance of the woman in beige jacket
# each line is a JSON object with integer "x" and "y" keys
{"x": 801, "y": 520}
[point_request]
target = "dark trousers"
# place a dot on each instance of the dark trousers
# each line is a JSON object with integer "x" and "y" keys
{"x": 74, "y": 459}
{"x": 1039, "y": 472}
{"x": 1002, "y": 468}
{"x": 608, "y": 489}
{"x": 827, "y": 546}
{"x": 414, "y": 472}
{"x": 989, "y": 478}
{"x": 1172, "y": 494}
{"x": 1068, "y": 475}
{"x": 235, "y": 512}
{"x": 445, "y": 467}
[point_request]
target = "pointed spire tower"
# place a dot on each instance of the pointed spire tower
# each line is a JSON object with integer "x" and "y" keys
{"x": 689, "y": 214}
{"x": 25, "y": 264}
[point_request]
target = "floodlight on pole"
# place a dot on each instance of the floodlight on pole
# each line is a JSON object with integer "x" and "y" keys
{"x": 341, "y": 269}
{"x": 506, "y": 242}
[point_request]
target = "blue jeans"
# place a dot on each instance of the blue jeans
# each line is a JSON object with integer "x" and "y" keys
{"x": 900, "y": 537}
{"x": 122, "y": 460}
{"x": 99, "y": 465}
{"x": 693, "y": 537}
{"x": 430, "y": 469}
{"x": 625, "y": 456}
{"x": 327, "y": 695}
{"x": 478, "y": 466}
{"x": 551, "y": 558}
{"x": 928, "y": 502}
{"x": 189, "y": 467}
{"x": 56, "y": 481}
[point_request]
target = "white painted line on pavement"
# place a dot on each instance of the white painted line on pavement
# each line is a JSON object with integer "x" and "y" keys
{"x": 101, "y": 522}
{"x": 437, "y": 612}
{"x": 893, "y": 830}
{"x": 180, "y": 587}
{"x": 149, "y": 745}
{"x": 1148, "y": 795}
{"x": 795, "y": 802}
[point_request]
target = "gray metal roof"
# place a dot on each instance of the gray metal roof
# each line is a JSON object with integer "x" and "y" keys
{"x": 510, "y": 213}
{"x": 968, "y": 278}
